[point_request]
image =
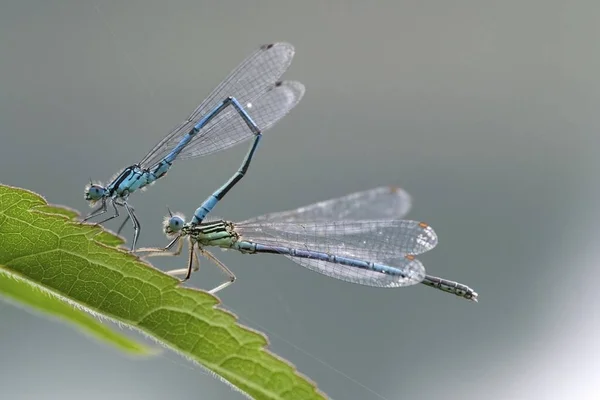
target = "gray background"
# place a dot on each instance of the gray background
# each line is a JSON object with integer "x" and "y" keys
{"x": 486, "y": 112}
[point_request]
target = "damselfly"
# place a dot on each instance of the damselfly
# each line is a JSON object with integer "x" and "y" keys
{"x": 357, "y": 238}
{"x": 249, "y": 101}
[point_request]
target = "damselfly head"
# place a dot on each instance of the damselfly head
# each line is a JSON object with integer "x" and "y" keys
{"x": 173, "y": 224}
{"x": 94, "y": 192}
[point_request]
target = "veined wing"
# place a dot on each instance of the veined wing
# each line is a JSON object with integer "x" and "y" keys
{"x": 412, "y": 269}
{"x": 384, "y": 202}
{"x": 374, "y": 241}
{"x": 229, "y": 130}
{"x": 248, "y": 82}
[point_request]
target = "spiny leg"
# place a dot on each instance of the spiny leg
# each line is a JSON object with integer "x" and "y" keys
{"x": 163, "y": 251}
{"x": 193, "y": 264}
{"x": 116, "y": 215}
{"x": 223, "y": 268}
{"x": 98, "y": 211}
{"x": 196, "y": 266}
{"x": 212, "y": 201}
{"x": 124, "y": 222}
{"x": 136, "y": 225}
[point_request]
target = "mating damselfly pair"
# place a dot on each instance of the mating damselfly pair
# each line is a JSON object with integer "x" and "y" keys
{"x": 358, "y": 238}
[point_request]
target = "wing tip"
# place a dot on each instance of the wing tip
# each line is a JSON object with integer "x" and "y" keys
{"x": 401, "y": 194}
{"x": 296, "y": 87}
{"x": 283, "y": 45}
{"x": 426, "y": 237}
{"x": 415, "y": 271}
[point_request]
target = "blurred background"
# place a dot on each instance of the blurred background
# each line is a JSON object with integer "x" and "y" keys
{"x": 485, "y": 112}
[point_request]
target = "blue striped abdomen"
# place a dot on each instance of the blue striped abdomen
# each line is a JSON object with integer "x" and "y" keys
{"x": 250, "y": 247}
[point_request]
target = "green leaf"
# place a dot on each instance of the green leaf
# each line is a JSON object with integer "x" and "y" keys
{"x": 40, "y": 299}
{"x": 46, "y": 246}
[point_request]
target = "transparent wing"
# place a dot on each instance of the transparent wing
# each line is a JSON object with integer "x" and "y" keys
{"x": 373, "y": 241}
{"x": 392, "y": 243}
{"x": 379, "y": 203}
{"x": 231, "y": 129}
{"x": 248, "y": 82}
{"x": 414, "y": 270}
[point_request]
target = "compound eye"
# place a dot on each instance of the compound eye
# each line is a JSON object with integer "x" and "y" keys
{"x": 175, "y": 223}
{"x": 94, "y": 192}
